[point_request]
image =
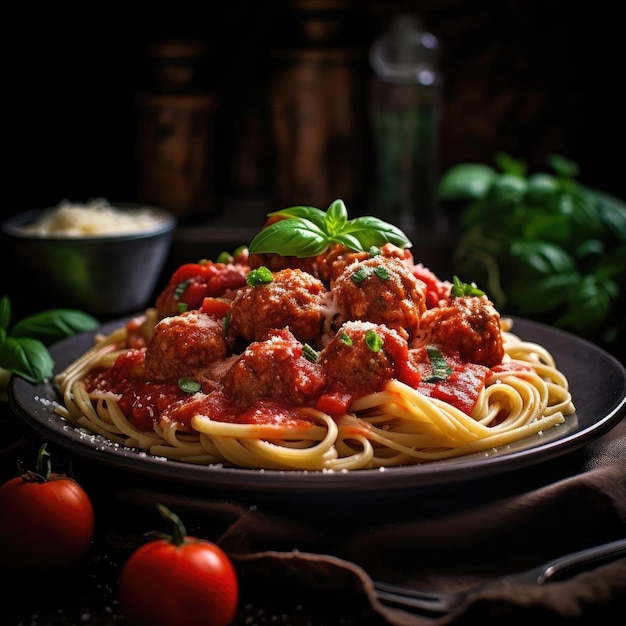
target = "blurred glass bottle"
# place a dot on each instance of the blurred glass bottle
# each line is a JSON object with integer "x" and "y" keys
{"x": 405, "y": 121}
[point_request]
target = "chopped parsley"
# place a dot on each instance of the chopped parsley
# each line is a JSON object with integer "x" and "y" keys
{"x": 363, "y": 272}
{"x": 345, "y": 338}
{"x": 464, "y": 289}
{"x": 309, "y": 353}
{"x": 259, "y": 276}
{"x": 188, "y": 385}
{"x": 373, "y": 340}
{"x": 440, "y": 369}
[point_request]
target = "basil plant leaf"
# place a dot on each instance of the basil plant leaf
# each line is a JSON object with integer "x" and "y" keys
{"x": 466, "y": 181}
{"x": 54, "y": 324}
{"x": 27, "y": 358}
{"x": 542, "y": 257}
{"x": 612, "y": 212}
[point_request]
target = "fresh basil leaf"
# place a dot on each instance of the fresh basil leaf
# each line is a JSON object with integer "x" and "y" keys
{"x": 510, "y": 165}
{"x": 563, "y": 167}
{"x": 541, "y": 191}
{"x": 591, "y": 304}
{"x": 532, "y": 296}
{"x": 583, "y": 210}
{"x": 543, "y": 257}
{"x": 348, "y": 240}
{"x": 310, "y": 213}
{"x": 335, "y": 218}
{"x": 466, "y": 181}
{"x": 27, "y": 358}
{"x": 296, "y": 236}
{"x": 372, "y": 231}
{"x": 612, "y": 213}
{"x": 590, "y": 248}
{"x": 552, "y": 227}
{"x": 507, "y": 192}
{"x": 54, "y": 324}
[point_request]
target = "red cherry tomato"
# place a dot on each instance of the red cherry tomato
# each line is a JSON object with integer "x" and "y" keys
{"x": 46, "y": 521}
{"x": 178, "y": 580}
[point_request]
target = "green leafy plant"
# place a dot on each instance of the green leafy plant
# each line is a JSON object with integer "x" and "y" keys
{"x": 24, "y": 347}
{"x": 543, "y": 245}
{"x": 305, "y": 231}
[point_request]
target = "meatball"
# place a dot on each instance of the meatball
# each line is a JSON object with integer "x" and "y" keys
{"x": 340, "y": 258}
{"x": 382, "y": 290}
{"x": 468, "y": 324}
{"x": 294, "y": 298}
{"x": 362, "y": 357}
{"x": 183, "y": 344}
{"x": 275, "y": 368}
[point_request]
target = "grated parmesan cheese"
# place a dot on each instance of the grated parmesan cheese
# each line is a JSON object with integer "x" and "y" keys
{"x": 96, "y": 217}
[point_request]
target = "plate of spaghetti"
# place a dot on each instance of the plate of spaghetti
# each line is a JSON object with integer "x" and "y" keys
{"x": 323, "y": 357}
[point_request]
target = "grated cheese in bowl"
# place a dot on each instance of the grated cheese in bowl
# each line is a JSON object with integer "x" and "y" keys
{"x": 94, "y": 218}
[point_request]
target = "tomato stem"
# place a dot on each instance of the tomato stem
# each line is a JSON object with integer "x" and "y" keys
{"x": 179, "y": 532}
{"x": 42, "y": 470}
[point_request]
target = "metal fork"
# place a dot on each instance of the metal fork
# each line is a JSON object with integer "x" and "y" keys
{"x": 445, "y": 602}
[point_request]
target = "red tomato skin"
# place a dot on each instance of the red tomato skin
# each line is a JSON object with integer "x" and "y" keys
{"x": 44, "y": 525}
{"x": 163, "y": 584}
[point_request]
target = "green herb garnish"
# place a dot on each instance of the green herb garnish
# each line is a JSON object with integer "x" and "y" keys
{"x": 373, "y": 341}
{"x": 440, "y": 369}
{"x": 309, "y": 353}
{"x": 382, "y": 273}
{"x": 307, "y": 231}
{"x": 180, "y": 289}
{"x": 259, "y": 276}
{"x": 460, "y": 288}
{"x": 359, "y": 276}
{"x": 188, "y": 385}
{"x": 345, "y": 338}
{"x": 363, "y": 272}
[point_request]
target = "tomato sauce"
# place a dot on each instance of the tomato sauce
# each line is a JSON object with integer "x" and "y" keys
{"x": 269, "y": 379}
{"x": 147, "y": 403}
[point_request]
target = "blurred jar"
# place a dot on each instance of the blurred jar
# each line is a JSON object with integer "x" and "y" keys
{"x": 404, "y": 110}
{"x": 315, "y": 98}
{"x": 175, "y": 143}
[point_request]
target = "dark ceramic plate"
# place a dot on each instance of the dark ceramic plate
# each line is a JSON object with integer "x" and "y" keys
{"x": 597, "y": 382}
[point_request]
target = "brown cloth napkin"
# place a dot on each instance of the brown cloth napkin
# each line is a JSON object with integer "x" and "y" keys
{"x": 480, "y": 533}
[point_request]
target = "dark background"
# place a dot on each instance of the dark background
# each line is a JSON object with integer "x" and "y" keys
{"x": 529, "y": 77}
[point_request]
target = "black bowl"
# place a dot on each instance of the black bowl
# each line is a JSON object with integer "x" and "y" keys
{"x": 105, "y": 275}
